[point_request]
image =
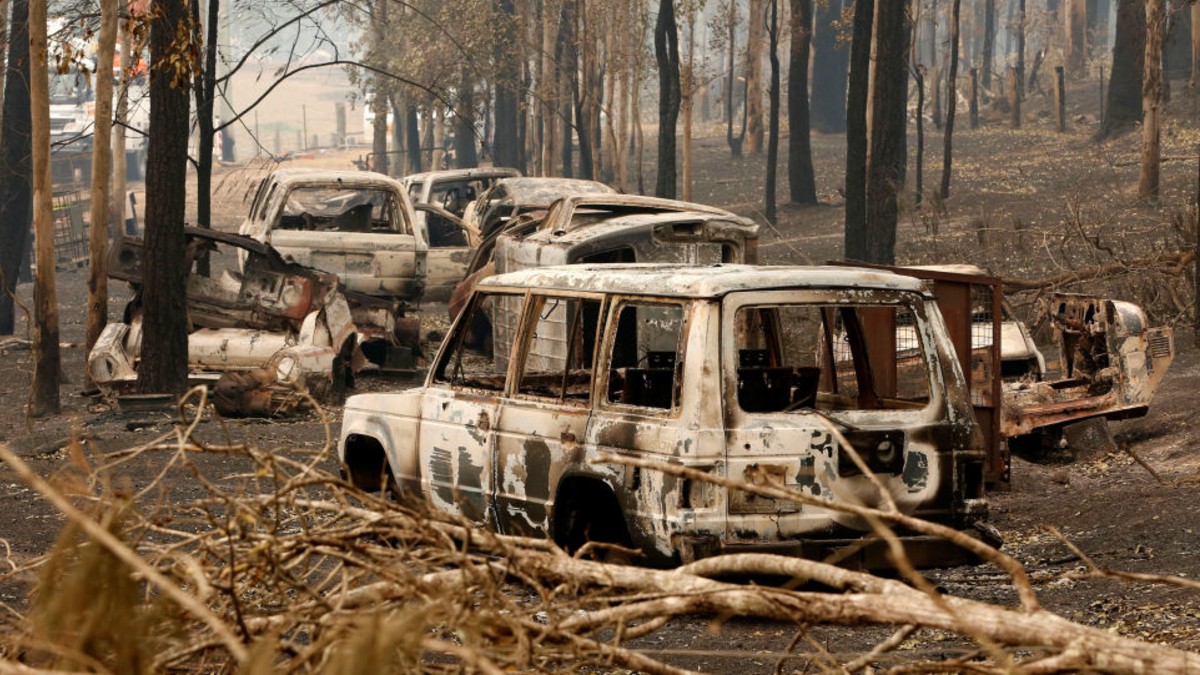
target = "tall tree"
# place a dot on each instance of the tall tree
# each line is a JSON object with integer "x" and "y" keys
{"x": 164, "y": 303}
{"x": 756, "y": 21}
{"x": 886, "y": 166}
{"x": 205, "y": 88}
{"x": 830, "y": 62}
{"x": 97, "y": 315}
{"x": 1152, "y": 96}
{"x": 379, "y": 101}
{"x": 16, "y": 171}
{"x": 1075, "y": 30}
{"x": 856, "y": 131}
{"x": 801, "y": 180}
{"x": 505, "y": 145}
{"x": 666, "y": 53}
{"x": 1022, "y": 22}
{"x": 989, "y": 41}
{"x": 951, "y": 100}
{"x": 43, "y": 400}
{"x": 773, "y": 120}
{"x": 1123, "y": 109}
{"x": 735, "y": 144}
{"x": 1195, "y": 61}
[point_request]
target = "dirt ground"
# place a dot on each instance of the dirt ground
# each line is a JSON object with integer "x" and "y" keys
{"x": 1024, "y": 203}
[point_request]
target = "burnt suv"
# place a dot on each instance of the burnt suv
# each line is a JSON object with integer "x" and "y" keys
{"x": 735, "y": 370}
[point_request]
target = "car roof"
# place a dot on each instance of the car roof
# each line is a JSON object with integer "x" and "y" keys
{"x": 706, "y": 281}
{"x": 460, "y": 174}
{"x": 631, "y": 223}
{"x": 289, "y": 177}
{"x": 536, "y": 191}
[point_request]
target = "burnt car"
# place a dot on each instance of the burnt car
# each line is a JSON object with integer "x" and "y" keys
{"x": 731, "y": 370}
{"x": 443, "y": 202}
{"x": 1110, "y": 363}
{"x": 512, "y": 197}
{"x": 358, "y": 225}
{"x": 298, "y": 323}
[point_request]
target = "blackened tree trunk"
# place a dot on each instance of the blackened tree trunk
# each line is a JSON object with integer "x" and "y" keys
{"x": 1152, "y": 97}
{"x": 951, "y": 102}
{"x": 830, "y": 62}
{"x": 205, "y": 88}
{"x": 1022, "y": 20}
{"x": 919, "y": 73}
{"x": 735, "y": 144}
{"x": 412, "y": 131}
{"x": 989, "y": 41}
{"x": 1124, "y": 108}
{"x": 164, "y": 303}
{"x": 506, "y": 142}
{"x": 379, "y": 104}
{"x": 666, "y": 53}
{"x": 465, "y": 156}
{"x": 856, "y": 131}
{"x": 801, "y": 181}
{"x": 47, "y": 368}
{"x": 773, "y": 111}
{"x": 1075, "y": 31}
{"x": 885, "y": 169}
{"x": 16, "y": 171}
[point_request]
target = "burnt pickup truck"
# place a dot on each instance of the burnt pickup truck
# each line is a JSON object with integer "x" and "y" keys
{"x": 356, "y": 224}
{"x": 735, "y": 370}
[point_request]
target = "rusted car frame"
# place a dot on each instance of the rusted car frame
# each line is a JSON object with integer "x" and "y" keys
{"x": 728, "y": 369}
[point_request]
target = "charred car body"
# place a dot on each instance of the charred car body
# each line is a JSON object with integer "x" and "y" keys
{"x": 442, "y": 200}
{"x": 295, "y": 321}
{"x": 728, "y": 369}
{"x": 356, "y": 224}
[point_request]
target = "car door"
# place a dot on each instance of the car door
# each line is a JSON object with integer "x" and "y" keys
{"x": 451, "y": 244}
{"x": 541, "y": 427}
{"x": 458, "y": 414}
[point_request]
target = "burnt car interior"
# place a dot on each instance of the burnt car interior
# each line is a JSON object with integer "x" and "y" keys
{"x": 329, "y": 209}
{"x": 808, "y": 356}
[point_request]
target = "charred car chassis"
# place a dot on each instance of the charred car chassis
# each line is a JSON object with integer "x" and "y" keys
{"x": 296, "y": 322}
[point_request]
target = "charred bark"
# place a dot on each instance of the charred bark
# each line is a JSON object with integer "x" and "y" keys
{"x": 506, "y": 144}
{"x": 830, "y": 63}
{"x": 735, "y": 144}
{"x": 1152, "y": 83}
{"x": 47, "y": 368}
{"x": 855, "y": 235}
{"x": 951, "y": 102}
{"x": 989, "y": 41}
{"x": 16, "y": 170}
{"x": 205, "y": 88}
{"x": 379, "y": 104}
{"x": 1124, "y": 108}
{"x": 412, "y": 131}
{"x": 773, "y": 119}
{"x": 886, "y": 166}
{"x": 801, "y": 179}
{"x": 164, "y": 303}
{"x": 465, "y": 155}
{"x": 666, "y": 53}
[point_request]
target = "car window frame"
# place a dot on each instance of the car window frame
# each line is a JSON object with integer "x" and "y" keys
{"x": 615, "y": 304}
{"x": 530, "y": 315}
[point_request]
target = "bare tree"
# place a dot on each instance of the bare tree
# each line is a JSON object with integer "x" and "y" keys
{"x": 735, "y": 144}
{"x": 886, "y": 166}
{"x": 855, "y": 235}
{"x": 952, "y": 100}
{"x": 755, "y": 22}
{"x": 666, "y": 53}
{"x": 1075, "y": 31}
{"x": 773, "y": 120}
{"x": 1122, "y": 110}
{"x": 97, "y": 304}
{"x": 801, "y": 178}
{"x": 989, "y": 41}
{"x": 1152, "y": 84}
{"x": 16, "y": 173}
{"x": 43, "y": 400}
{"x": 164, "y": 303}
{"x": 830, "y": 62}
